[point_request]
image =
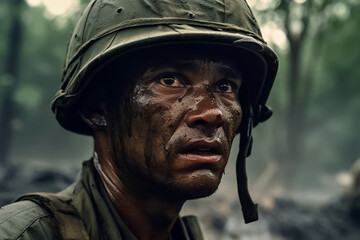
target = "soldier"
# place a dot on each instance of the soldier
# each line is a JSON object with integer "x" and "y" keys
{"x": 163, "y": 86}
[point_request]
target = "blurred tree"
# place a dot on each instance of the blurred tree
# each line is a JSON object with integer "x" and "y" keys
{"x": 43, "y": 60}
{"x": 10, "y": 78}
{"x": 339, "y": 79}
{"x": 44, "y": 38}
{"x": 307, "y": 25}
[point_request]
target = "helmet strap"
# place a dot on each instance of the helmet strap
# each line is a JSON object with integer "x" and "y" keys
{"x": 249, "y": 209}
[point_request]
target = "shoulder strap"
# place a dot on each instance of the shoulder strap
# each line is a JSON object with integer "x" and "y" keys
{"x": 70, "y": 224}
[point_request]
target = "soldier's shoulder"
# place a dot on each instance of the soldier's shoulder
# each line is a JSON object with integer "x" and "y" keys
{"x": 25, "y": 220}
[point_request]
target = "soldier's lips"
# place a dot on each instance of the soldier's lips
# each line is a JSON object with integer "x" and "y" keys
{"x": 201, "y": 151}
{"x": 200, "y": 158}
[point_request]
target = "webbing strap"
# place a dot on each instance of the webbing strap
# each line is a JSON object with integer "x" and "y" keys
{"x": 70, "y": 224}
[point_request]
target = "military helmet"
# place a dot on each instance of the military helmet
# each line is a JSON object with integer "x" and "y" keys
{"x": 109, "y": 29}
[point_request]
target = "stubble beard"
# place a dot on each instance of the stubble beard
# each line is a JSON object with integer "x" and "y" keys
{"x": 169, "y": 187}
{"x": 190, "y": 191}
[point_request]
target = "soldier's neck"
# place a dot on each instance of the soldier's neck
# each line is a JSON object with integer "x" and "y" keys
{"x": 147, "y": 214}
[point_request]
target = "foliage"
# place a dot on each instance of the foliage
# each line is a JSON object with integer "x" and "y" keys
{"x": 316, "y": 95}
{"x": 42, "y": 55}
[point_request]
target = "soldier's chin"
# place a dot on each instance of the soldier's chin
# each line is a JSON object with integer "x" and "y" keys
{"x": 188, "y": 192}
{"x": 198, "y": 192}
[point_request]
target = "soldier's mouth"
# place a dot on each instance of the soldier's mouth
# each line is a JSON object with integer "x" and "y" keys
{"x": 202, "y": 150}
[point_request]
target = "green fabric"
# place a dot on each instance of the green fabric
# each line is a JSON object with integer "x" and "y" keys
{"x": 93, "y": 208}
{"x": 27, "y": 220}
{"x": 68, "y": 223}
{"x": 103, "y": 221}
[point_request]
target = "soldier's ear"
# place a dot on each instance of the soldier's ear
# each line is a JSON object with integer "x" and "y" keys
{"x": 96, "y": 121}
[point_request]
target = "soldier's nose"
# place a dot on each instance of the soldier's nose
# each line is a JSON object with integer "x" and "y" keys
{"x": 206, "y": 115}
{"x": 210, "y": 118}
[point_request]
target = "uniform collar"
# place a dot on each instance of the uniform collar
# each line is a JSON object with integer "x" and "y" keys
{"x": 100, "y": 217}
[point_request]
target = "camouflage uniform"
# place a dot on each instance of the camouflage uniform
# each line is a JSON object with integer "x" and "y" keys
{"x": 84, "y": 211}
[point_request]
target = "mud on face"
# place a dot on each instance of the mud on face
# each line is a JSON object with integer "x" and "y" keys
{"x": 171, "y": 132}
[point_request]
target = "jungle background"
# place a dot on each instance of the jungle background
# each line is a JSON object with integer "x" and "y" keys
{"x": 302, "y": 156}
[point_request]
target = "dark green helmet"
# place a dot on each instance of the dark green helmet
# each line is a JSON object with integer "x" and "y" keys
{"x": 112, "y": 28}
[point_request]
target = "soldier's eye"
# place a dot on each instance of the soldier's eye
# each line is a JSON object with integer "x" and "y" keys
{"x": 171, "y": 81}
{"x": 226, "y": 87}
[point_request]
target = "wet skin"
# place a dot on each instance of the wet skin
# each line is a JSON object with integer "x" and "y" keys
{"x": 185, "y": 115}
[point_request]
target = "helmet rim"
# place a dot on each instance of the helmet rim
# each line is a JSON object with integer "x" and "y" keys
{"x": 79, "y": 71}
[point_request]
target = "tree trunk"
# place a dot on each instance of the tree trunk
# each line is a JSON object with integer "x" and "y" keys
{"x": 11, "y": 71}
{"x": 294, "y": 121}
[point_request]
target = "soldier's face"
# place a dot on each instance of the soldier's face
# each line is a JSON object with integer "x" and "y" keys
{"x": 185, "y": 114}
